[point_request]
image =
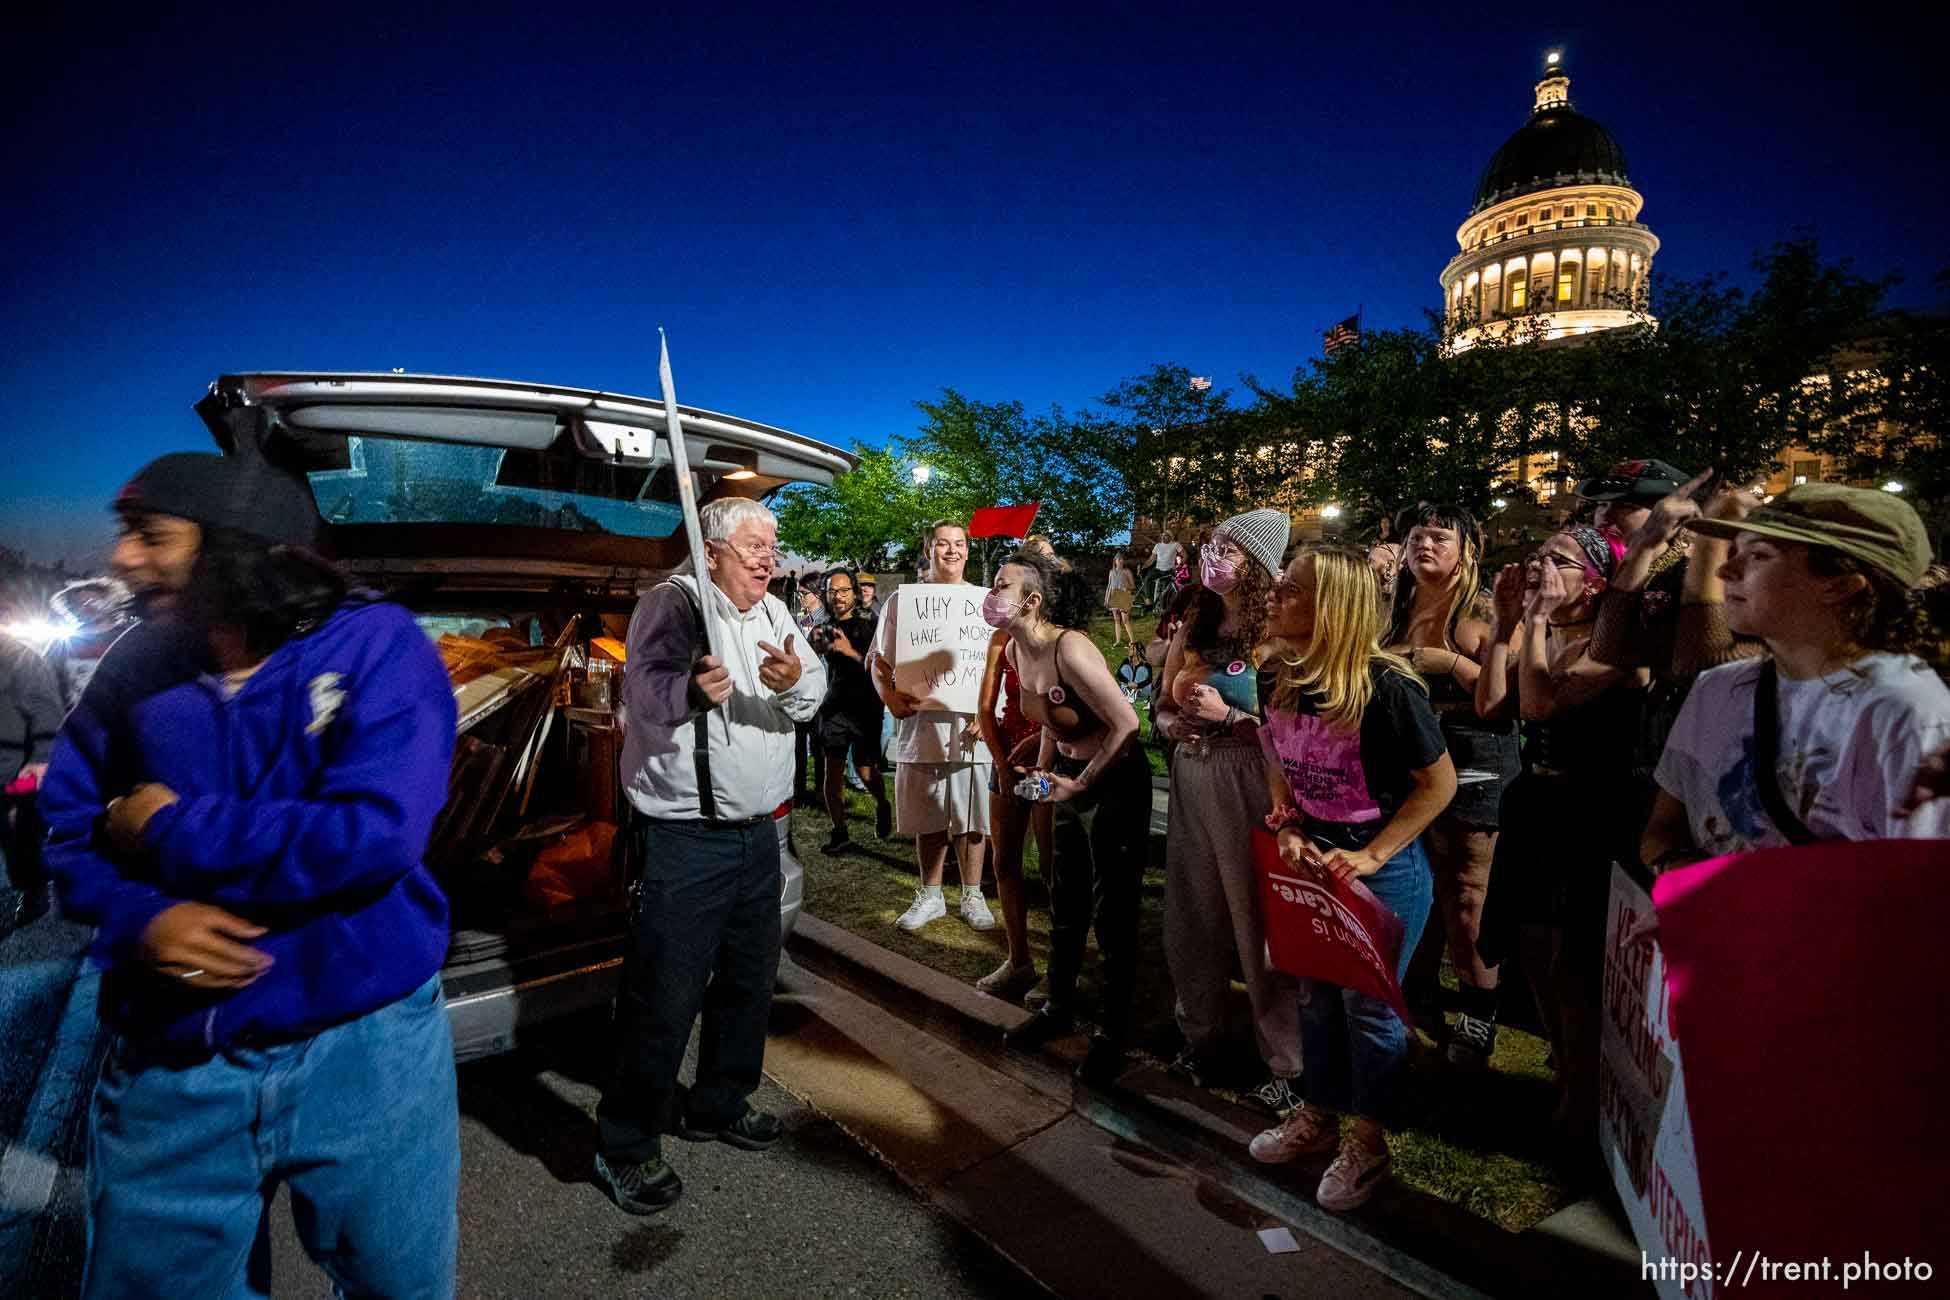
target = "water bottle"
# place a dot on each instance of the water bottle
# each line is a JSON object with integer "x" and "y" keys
{"x": 1034, "y": 787}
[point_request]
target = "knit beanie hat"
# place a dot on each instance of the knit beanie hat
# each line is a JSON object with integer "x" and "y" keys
{"x": 1261, "y": 534}
{"x": 225, "y": 492}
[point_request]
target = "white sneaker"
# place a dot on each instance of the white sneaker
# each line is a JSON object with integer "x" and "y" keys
{"x": 1305, "y": 1131}
{"x": 928, "y": 905}
{"x": 1353, "y": 1176}
{"x": 975, "y": 910}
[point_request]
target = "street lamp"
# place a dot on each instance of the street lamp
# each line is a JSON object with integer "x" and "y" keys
{"x": 1892, "y": 486}
{"x": 1500, "y": 503}
{"x": 1330, "y": 511}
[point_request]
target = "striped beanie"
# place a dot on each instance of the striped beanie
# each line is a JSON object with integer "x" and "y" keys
{"x": 1261, "y": 534}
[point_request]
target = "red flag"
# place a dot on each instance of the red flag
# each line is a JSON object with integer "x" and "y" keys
{"x": 1003, "y": 521}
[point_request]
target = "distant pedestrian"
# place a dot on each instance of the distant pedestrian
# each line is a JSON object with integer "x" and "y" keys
{"x": 707, "y": 761}
{"x": 1118, "y": 598}
{"x": 239, "y": 805}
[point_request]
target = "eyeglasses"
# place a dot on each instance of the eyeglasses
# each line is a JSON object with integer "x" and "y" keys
{"x": 1563, "y": 562}
{"x": 754, "y": 554}
{"x": 1221, "y": 551}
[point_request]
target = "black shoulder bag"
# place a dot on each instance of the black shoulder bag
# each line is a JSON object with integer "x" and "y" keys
{"x": 1767, "y": 753}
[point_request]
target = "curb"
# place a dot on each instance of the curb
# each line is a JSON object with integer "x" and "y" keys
{"x": 1420, "y": 1242}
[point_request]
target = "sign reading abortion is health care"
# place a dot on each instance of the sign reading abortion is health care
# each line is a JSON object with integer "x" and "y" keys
{"x": 941, "y": 644}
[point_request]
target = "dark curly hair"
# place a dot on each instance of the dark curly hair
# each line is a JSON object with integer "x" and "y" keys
{"x": 1208, "y": 611}
{"x": 273, "y": 593}
{"x": 1066, "y": 597}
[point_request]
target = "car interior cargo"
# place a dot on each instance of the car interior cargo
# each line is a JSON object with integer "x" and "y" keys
{"x": 519, "y": 523}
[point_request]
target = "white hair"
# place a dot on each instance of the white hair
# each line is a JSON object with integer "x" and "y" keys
{"x": 721, "y": 518}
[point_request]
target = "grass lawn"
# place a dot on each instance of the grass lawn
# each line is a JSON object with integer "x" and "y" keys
{"x": 1478, "y": 1139}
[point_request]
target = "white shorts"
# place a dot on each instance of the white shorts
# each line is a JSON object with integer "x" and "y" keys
{"x": 933, "y": 797}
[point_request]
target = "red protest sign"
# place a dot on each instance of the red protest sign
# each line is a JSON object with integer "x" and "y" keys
{"x": 1320, "y": 927}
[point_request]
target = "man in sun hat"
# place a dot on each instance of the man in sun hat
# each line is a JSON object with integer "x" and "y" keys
{"x": 1626, "y": 493}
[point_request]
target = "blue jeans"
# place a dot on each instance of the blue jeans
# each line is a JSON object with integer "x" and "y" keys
{"x": 1352, "y": 1046}
{"x": 359, "y": 1120}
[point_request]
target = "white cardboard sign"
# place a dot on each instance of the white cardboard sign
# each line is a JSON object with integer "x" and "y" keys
{"x": 941, "y": 644}
{"x": 1643, "y": 1124}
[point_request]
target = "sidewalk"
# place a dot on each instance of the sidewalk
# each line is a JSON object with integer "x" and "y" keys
{"x": 1029, "y": 1108}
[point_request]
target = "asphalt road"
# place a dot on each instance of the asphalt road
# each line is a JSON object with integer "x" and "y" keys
{"x": 815, "y": 1216}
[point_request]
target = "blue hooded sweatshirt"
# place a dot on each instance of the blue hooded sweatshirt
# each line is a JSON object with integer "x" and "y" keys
{"x": 305, "y": 803}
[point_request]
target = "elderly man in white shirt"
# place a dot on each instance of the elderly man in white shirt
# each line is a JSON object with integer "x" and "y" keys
{"x": 707, "y": 760}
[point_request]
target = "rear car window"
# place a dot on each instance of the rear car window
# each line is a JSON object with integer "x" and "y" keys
{"x": 378, "y": 480}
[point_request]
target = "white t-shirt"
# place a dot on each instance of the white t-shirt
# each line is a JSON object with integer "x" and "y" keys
{"x": 932, "y": 735}
{"x": 1164, "y": 556}
{"x": 1850, "y": 745}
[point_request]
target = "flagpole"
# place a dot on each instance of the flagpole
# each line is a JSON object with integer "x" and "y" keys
{"x": 687, "y": 495}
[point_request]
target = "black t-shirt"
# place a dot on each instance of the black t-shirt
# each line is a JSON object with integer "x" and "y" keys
{"x": 1348, "y": 785}
{"x": 849, "y": 689}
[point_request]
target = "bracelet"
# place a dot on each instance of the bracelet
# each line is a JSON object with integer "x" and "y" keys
{"x": 1281, "y": 818}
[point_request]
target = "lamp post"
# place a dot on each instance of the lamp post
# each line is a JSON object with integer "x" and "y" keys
{"x": 921, "y": 475}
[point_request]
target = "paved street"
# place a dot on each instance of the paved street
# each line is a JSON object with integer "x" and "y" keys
{"x": 816, "y": 1216}
{"x": 999, "y": 1178}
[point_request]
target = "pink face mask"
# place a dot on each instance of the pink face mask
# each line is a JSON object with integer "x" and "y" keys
{"x": 1217, "y": 574}
{"x": 998, "y": 609}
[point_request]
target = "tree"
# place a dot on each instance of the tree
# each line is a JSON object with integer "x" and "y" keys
{"x": 858, "y": 517}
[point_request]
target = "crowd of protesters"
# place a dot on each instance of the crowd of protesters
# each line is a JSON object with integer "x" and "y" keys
{"x": 1691, "y": 672}
{"x": 1477, "y": 749}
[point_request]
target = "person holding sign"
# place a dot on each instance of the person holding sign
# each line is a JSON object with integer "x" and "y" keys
{"x": 928, "y": 657}
{"x": 1356, "y": 767}
{"x": 1091, "y": 769}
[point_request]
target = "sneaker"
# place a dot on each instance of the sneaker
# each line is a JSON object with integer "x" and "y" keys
{"x": 1007, "y": 981}
{"x": 1471, "y": 1040}
{"x": 1037, "y": 996}
{"x": 1032, "y": 1033}
{"x": 1194, "y": 1065}
{"x": 837, "y": 842}
{"x": 1353, "y": 1176}
{"x": 1277, "y": 1095}
{"x": 1304, "y": 1132}
{"x": 928, "y": 905}
{"x": 647, "y": 1188}
{"x": 975, "y": 910}
{"x": 883, "y": 820}
{"x": 752, "y": 1131}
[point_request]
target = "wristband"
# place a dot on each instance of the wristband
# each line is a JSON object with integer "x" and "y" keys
{"x": 1281, "y": 818}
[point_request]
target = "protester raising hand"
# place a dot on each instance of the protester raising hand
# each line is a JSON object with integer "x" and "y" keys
{"x": 1507, "y": 598}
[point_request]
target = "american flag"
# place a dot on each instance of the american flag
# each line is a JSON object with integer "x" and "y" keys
{"x": 1200, "y": 383}
{"x": 1348, "y": 331}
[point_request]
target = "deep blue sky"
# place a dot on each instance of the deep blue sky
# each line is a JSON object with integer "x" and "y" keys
{"x": 836, "y": 216}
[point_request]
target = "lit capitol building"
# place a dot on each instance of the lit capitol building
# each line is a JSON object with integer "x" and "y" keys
{"x": 1553, "y": 235}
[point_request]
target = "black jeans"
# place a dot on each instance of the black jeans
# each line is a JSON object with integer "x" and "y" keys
{"x": 1096, "y": 868}
{"x": 704, "y": 937}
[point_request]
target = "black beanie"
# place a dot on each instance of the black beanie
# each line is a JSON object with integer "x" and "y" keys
{"x": 225, "y": 492}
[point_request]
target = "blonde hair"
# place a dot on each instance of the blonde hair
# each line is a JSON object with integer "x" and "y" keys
{"x": 1346, "y": 643}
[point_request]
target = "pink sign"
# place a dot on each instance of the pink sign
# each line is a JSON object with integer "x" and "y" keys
{"x": 1320, "y": 927}
{"x": 1806, "y": 988}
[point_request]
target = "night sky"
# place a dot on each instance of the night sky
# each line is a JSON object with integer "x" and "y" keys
{"x": 834, "y": 217}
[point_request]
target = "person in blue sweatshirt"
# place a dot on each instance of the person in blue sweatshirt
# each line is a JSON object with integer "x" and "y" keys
{"x": 240, "y": 803}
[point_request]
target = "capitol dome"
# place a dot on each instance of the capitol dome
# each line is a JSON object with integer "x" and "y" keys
{"x": 1553, "y": 236}
{"x": 1555, "y": 142}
